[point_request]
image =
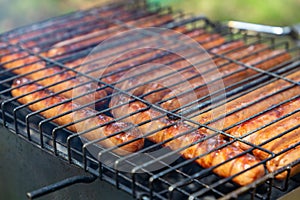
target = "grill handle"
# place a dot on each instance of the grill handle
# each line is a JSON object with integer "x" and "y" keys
{"x": 293, "y": 31}
{"x": 59, "y": 185}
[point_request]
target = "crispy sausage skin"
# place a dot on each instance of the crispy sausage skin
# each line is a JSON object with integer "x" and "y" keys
{"x": 270, "y": 135}
{"x": 98, "y": 36}
{"x": 233, "y": 112}
{"x": 238, "y": 73}
{"x": 194, "y": 78}
{"x": 116, "y": 72}
{"x": 63, "y": 80}
{"x": 165, "y": 129}
{"x": 26, "y": 37}
{"x": 271, "y": 132}
{"x": 87, "y": 124}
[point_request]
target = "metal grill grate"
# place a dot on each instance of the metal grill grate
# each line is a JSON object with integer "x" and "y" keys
{"x": 48, "y": 51}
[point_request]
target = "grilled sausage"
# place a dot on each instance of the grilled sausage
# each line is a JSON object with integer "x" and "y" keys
{"x": 96, "y": 69}
{"x": 33, "y": 92}
{"x": 26, "y": 38}
{"x": 163, "y": 94}
{"x": 169, "y": 80}
{"x": 121, "y": 68}
{"x": 173, "y": 99}
{"x": 67, "y": 80}
{"x": 97, "y": 64}
{"x": 238, "y": 73}
{"x": 96, "y": 37}
{"x": 112, "y": 73}
{"x": 16, "y": 60}
{"x": 84, "y": 41}
{"x": 234, "y": 110}
{"x": 149, "y": 120}
{"x": 271, "y": 135}
{"x": 283, "y": 159}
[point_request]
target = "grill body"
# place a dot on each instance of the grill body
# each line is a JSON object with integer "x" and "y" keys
{"x": 180, "y": 179}
{"x": 26, "y": 168}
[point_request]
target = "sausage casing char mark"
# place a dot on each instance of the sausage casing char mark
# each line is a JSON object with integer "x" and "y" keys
{"x": 275, "y": 145}
{"x": 150, "y": 75}
{"x": 161, "y": 133}
{"x": 234, "y": 73}
{"x": 119, "y": 67}
{"x": 27, "y": 37}
{"x": 63, "y": 80}
{"x": 20, "y": 58}
{"x": 87, "y": 124}
{"x": 159, "y": 84}
{"x": 235, "y": 106}
{"x": 267, "y": 133}
{"x": 97, "y": 36}
{"x": 174, "y": 102}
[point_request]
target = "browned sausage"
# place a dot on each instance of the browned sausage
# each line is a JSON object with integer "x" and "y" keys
{"x": 82, "y": 41}
{"x": 173, "y": 99}
{"x": 261, "y": 60}
{"x": 16, "y": 60}
{"x": 120, "y": 68}
{"x": 195, "y": 81}
{"x": 37, "y": 70}
{"x": 234, "y": 110}
{"x": 35, "y": 34}
{"x": 85, "y": 125}
{"x": 275, "y": 145}
{"x": 138, "y": 55}
{"x": 98, "y": 36}
{"x": 165, "y": 129}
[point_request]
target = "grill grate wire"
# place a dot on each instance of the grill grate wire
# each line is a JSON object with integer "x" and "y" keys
{"x": 106, "y": 173}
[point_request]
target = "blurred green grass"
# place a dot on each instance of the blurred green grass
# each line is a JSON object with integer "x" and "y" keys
{"x": 271, "y": 12}
{"x": 14, "y": 13}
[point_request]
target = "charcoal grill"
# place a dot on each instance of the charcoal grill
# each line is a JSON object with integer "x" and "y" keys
{"x": 180, "y": 179}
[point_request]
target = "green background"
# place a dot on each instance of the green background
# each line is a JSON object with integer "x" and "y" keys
{"x": 14, "y": 13}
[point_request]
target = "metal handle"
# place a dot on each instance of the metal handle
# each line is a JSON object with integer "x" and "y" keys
{"x": 293, "y": 31}
{"x": 276, "y": 30}
{"x": 59, "y": 185}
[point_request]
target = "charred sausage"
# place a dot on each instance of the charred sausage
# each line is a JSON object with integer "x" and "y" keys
{"x": 163, "y": 129}
{"x": 33, "y": 92}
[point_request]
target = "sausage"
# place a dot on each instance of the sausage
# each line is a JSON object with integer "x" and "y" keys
{"x": 36, "y": 69}
{"x": 269, "y": 134}
{"x": 32, "y": 39}
{"x": 234, "y": 73}
{"x": 164, "y": 129}
{"x": 250, "y": 104}
{"x": 97, "y": 64}
{"x": 170, "y": 80}
{"x": 173, "y": 99}
{"x": 23, "y": 87}
{"x": 90, "y": 19}
{"x": 119, "y": 65}
{"x": 82, "y": 41}
{"x": 121, "y": 68}
{"x": 283, "y": 159}
{"x": 13, "y": 61}
{"x": 96, "y": 37}
{"x": 158, "y": 92}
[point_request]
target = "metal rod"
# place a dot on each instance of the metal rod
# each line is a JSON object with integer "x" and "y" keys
{"x": 60, "y": 185}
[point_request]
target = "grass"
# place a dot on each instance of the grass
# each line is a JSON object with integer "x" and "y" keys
{"x": 14, "y": 13}
{"x": 272, "y": 12}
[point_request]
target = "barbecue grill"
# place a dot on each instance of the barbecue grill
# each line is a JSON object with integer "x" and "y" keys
{"x": 174, "y": 176}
